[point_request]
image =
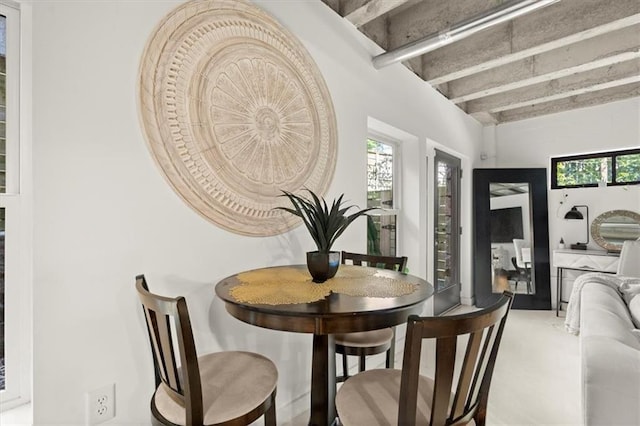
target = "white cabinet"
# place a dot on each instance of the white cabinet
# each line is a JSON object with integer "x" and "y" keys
{"x": 581, "y": 260}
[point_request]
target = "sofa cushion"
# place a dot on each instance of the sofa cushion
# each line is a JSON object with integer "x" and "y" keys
{"x": 605, "y": 314}
{"x": 634, "y": 310}
{"x": 629, "y": 288}
{"x": 610, "y": 358}
{"x": 610, "y": 381}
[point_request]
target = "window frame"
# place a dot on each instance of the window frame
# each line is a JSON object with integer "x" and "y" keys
{"x": 605, "y": 154}
{"x": 394, "y": 210}
{"x": 17, "y": 202}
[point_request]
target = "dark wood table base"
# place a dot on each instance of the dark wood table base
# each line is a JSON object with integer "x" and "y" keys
{"x": 323, "y": 381}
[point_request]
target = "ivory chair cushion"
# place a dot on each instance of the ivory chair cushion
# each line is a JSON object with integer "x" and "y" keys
{"x": 233, "y": 383}
{"x": 371, "y": 398}
{"x": 365, "y": 338}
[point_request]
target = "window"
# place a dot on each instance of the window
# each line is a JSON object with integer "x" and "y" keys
{"x": 610, "y": 168}
{"x": 382, "y": 157}
{"x": 3, "y": 184}
{"x": 14, "y": 358}
{"x": 3, "y": 105}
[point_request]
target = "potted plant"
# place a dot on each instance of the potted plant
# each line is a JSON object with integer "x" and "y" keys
{"x": 325, "y": 226}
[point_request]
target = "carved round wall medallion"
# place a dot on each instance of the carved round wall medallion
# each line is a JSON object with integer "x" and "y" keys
{"x": 234, "y": 110}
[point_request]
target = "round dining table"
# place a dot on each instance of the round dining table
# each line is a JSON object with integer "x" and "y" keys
{"x": 333, "y": 314}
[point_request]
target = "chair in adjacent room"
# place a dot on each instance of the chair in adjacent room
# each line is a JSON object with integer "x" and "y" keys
{"x": 520, "y": 275}
{"x": 222, "y": 388}
{"x": 522, "y": 262}
{"x": 372, "y": 342}
{"x": 405, "y": 397}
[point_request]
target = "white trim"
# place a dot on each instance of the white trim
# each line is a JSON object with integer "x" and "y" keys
{"x": 410, "y": 194}
{"x": 18, "y": 204}
{"x": 396, "y": 183}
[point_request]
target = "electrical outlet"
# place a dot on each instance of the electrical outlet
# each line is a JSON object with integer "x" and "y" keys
{"x": 101, "y": 404}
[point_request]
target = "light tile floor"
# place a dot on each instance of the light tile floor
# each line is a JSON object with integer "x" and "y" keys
{"x": 536, "y": 380}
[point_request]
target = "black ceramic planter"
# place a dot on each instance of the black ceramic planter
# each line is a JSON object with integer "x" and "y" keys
{"x": 323, "y": 266}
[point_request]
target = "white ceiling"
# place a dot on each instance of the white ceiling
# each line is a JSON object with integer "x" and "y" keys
{"x": 569, "y": 54}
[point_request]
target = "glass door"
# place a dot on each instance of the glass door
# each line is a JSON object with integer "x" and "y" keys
{"x": 446, "y": 233}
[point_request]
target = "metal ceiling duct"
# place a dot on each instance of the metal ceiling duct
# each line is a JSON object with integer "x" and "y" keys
{"x": 459, "y": 31}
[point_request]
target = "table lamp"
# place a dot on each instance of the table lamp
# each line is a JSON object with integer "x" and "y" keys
{"x": 573, "y": 214}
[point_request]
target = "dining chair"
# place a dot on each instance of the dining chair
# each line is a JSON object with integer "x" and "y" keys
{"x": 405, "y": 397}
{"x": 222, "y": 388}
{"x": 522, "y": 261}
{"x": 520, "y": 275}
{"x": 362, "y": 344}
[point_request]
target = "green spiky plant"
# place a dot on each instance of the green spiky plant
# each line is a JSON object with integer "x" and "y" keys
{"x": 323, "y": 223}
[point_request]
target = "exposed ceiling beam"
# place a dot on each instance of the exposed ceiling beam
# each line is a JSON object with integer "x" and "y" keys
{"x": 416, "y": 18}
{"x": 604, "y": 50}
{"x": 611, "y": 61}
{"x": 571, "y": 54}
{"x": 553, "y": 27}
{"x": 427, "y": 17}
{"x": 460, "y": 30}
{"x": 371, "y": 10}
{"x": 581, "y": 101}
{"x": 577, "y": 84}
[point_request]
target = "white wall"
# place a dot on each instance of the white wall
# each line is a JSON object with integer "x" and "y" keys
{"x": 531, "y": 143}
{"x": 103, "y": 213}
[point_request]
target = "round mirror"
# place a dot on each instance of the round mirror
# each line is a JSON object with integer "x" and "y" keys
{"x": 612, "y": 228}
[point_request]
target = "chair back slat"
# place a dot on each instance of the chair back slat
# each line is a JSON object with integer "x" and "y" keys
{"x": 410, "y": 366}
{"x": 154, "y": 338}
{"x": 481, "y": 369}
{"x": 466, "y": 374}
{"x": 167, "y": 360}
{"x": 445, "y": 352}
{"x": 173, "y": 349}
{"x": 482, "y": 332}
{"x": 386, "y": 262}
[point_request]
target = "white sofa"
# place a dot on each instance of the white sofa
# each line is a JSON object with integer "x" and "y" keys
{"x": 610, "y": 347}
{"x": 610, "y": 355}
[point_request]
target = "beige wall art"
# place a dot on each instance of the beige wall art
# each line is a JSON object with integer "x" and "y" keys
{"x": 234, "y": 110}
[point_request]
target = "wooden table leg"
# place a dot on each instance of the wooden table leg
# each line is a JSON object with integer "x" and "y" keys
{"x": 558, "y": 290}
{"x": 323, "y": 381}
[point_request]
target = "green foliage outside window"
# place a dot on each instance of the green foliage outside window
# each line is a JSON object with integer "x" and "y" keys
{"x": 583, "y": 172}
{"x": 612, "y": 168}
{"x": 628, "y": 168}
